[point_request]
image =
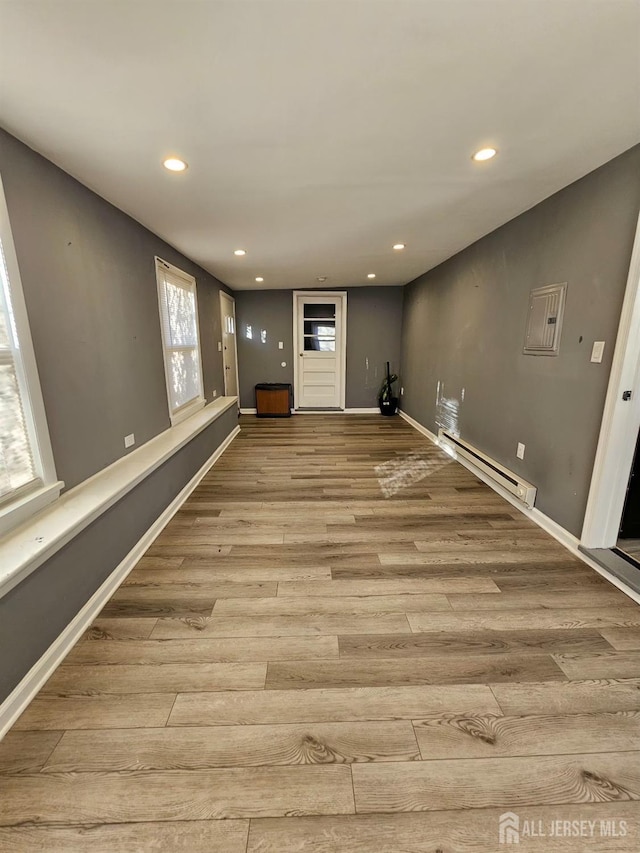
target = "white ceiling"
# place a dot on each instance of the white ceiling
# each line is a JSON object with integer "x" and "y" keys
{"x": 320, "y": 132}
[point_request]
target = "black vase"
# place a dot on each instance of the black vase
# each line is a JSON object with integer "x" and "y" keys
{"x": 388, "y": 407}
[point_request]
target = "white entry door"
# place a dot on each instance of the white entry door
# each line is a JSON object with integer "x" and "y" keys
{"x": 229, "y": 352}
{"x": 320, "y": 358}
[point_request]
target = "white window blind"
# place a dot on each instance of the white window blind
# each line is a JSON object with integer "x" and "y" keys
{"x": 17, "y": 467}
{"x": 180, "y": 339}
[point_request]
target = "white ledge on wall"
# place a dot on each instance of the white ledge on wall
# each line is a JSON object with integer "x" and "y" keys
{"x": 35, "y": 541}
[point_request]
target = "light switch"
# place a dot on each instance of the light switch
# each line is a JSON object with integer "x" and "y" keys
{"x": 597, "y": 352}
{"x": 280, "y": 345}
{"x": 219, "y": 346}
{"x": 520, "y": 450}
{"x": 129, "y": 440}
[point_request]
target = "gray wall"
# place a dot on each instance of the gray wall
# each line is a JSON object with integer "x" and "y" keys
{"x": 374, "y": 323}
{"x": 464, "y": 325}
{"x": 89, "y": 282}
{"x": 35, "y": 612}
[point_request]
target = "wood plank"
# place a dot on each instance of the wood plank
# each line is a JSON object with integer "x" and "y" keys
{"x": 233, "y": 746}
{"x": 357, "y": 604}
{"x": 473, "y": 557}
{"x": 545, "y": 581}
{"x": 70, "y": 680}
{"x": 281, "y": 626}
{"x": 514, "y": 620}
{"x": 508, "y": 783}
{"x": 623, "y": 639}
{"x": 211, "y": 590}
{"x": 368, "y": 570}
{"x": 26, "y": 752}
{"x": 599, "y": 665}
{"x": 96, "y": 712}
{"x": 194, "y": 836}
{"x": 471, "y": 831}
{"x": 365, "y": 646}
{"x": 223, "y": 650}
{"x": 153, "y": 563}
{"x": 490, "y": 735}
{"x": 570, "y": 697}
{"x": 400, "y": 586}
{"x": 526, "y": 599}
{"x": 218, "y": 572}
{"x": 120, "y": 629}
{"x": 443, "y": 669}
{"x": 176, "y": 794}
{"x": 311, "y": 706}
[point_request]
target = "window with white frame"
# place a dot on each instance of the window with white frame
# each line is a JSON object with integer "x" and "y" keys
{"x": 27, "y": 474}
{"x": 180, "y": 340}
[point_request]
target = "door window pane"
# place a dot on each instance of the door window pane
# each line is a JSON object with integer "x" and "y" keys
{"x": 312, "y": 343}
{"x": 314, "y": 311}
{"x": 324, "y": 328}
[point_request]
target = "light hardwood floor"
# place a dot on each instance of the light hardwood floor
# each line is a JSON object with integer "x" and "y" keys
{"x": 342, "y": 643}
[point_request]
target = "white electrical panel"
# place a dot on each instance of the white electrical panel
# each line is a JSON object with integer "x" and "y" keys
{"x": 544, "y": 320}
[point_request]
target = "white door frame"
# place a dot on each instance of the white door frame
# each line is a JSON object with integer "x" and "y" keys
{"x": 620, "y": 422}
{"x": 334, "y": 294}
{"x": 223, "y": 296}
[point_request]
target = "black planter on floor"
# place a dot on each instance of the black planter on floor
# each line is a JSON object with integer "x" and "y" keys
{"x": 388, "y": 407}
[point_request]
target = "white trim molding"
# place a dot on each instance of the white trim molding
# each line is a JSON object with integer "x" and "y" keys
{"x": 620, "y": 422}
{"x": 30, "y": 545}
{"x": 570, "y": 542}
{"x": 19, "y": 505}
{"x": 43, "y": 669}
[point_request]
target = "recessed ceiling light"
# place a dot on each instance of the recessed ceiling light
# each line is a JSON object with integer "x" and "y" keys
{"x": 239, "y": 252}
{"x": 174, "y": 164}
{"x": 371, "y": 275}
{"x": 398, "y": 246}
{"x": 259, "y": 278}
{"x": 484, "y": 154}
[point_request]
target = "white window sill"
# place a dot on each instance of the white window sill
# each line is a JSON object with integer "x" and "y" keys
{"x": 35, "y": 541}
{"x": 182, "y": 414}
{"x": 18, "y": 511}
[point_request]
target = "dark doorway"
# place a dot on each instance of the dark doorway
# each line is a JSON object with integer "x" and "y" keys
{"x": 629, "y": 537}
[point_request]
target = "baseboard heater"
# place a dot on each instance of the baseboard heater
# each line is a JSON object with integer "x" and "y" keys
{"x": 518, "y": 487}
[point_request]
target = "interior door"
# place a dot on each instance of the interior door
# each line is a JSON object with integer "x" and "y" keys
{"x": 319, "y": 379}
{"x": 229, "y": 352}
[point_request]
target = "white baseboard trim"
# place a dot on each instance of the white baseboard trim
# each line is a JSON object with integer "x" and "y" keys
{"x": 570, "y": 542}
{"x": 373, "y": 410}
{"x": 430, "y": 435}
{"x": 247, "y": 411}
{"x": 44, "y": 668}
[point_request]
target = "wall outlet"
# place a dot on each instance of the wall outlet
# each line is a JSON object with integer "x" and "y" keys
{"x": 520, "y": 451}
{"x": 129, "y": 440}
{"x": 597, "y": 352}
{"x": 280, "y": 345}
{"x": 219, "y": 346}
{"x": 215, "y": 393}
{"x": 401, "y": 391}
